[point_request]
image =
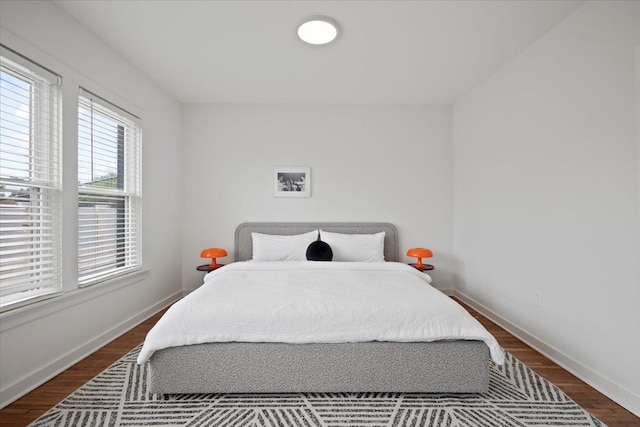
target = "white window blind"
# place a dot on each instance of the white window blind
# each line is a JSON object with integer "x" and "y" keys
{"x": 30, "y": 193}
{"x": 109, "y": 190}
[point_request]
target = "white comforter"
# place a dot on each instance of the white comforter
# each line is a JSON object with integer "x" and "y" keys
{"x": 315, "y": 302}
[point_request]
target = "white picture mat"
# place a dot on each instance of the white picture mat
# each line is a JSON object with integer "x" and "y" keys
{"x": 292, "y": 181}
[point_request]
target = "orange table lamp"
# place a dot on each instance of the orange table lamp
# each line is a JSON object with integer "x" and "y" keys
{"x": 419, "y": 253}
{"x": 213, "y": 253}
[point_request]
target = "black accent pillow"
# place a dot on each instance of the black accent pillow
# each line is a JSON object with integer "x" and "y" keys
{"x": 319, "y": 251}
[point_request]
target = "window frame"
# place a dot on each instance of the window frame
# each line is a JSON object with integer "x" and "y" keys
{"x": 42, "y": 272}
{"x": 128, "y": 188}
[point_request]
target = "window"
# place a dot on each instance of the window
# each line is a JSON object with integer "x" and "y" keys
{"x": 30, "y": 191}
{"x": 109, "y": 190}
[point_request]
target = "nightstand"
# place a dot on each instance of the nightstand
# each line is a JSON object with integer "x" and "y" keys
{"x": 208, "y": 268}
{"x": 425, "y": 267}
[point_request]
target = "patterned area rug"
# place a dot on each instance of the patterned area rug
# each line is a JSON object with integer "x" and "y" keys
{"x": 517, "y": 397}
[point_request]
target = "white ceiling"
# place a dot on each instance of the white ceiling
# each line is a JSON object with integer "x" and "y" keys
{"x": 402, "y": 52}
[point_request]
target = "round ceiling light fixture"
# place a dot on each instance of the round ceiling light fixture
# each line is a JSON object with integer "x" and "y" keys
{"x": 318, "y": 30}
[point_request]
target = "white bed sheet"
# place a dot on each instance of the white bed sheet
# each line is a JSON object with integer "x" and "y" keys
{"x": 315, "y": 302}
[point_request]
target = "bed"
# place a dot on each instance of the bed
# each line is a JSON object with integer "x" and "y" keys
{"x": 282, "y": 362}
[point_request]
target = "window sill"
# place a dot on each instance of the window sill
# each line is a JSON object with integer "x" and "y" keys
{"x": 20, "y": 315}
{"x": 112, "y": 277}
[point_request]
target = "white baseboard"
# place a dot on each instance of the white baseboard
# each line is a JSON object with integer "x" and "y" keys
{"x": 447, "y": 291}
{"x": 24, "y": 385}
{"x": 604, "y": 385}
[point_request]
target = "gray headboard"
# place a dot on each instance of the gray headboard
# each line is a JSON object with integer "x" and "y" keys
{"x": 244, "y": 244}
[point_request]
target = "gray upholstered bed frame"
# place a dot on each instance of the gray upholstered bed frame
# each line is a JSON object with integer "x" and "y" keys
{"x": 444, "y": 367}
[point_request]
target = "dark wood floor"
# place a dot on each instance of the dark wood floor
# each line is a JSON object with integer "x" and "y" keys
{"x": 31, "y": 406}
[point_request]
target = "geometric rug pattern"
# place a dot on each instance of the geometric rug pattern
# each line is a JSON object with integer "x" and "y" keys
{"x": 517, "y": 396}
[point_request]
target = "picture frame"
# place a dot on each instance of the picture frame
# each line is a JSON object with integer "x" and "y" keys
{"x": 292, "y": 181}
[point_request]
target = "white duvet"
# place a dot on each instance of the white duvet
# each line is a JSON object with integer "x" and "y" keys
{"x": 315, "y": 302}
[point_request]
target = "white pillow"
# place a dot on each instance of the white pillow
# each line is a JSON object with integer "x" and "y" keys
{"x": 272, "y": 247}
{"x": 355, "y": 247}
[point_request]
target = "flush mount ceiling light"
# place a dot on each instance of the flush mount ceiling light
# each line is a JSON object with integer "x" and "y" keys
{"x": 318, "y": 30}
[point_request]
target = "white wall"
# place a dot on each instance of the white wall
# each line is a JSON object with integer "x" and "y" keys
{"x": 368, "y": 163}
{"x": 546, "y": 196}
{"x": 638, "y": 117}
{"x": 37, "y": 342}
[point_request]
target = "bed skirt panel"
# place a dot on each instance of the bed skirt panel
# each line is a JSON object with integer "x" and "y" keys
{"x": 434, "y": 367}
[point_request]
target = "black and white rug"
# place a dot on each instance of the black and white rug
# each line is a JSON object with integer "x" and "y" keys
{"x": 118, "y": 397}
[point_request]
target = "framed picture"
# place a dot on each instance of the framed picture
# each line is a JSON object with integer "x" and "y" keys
{"x": 292, "y": 181}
